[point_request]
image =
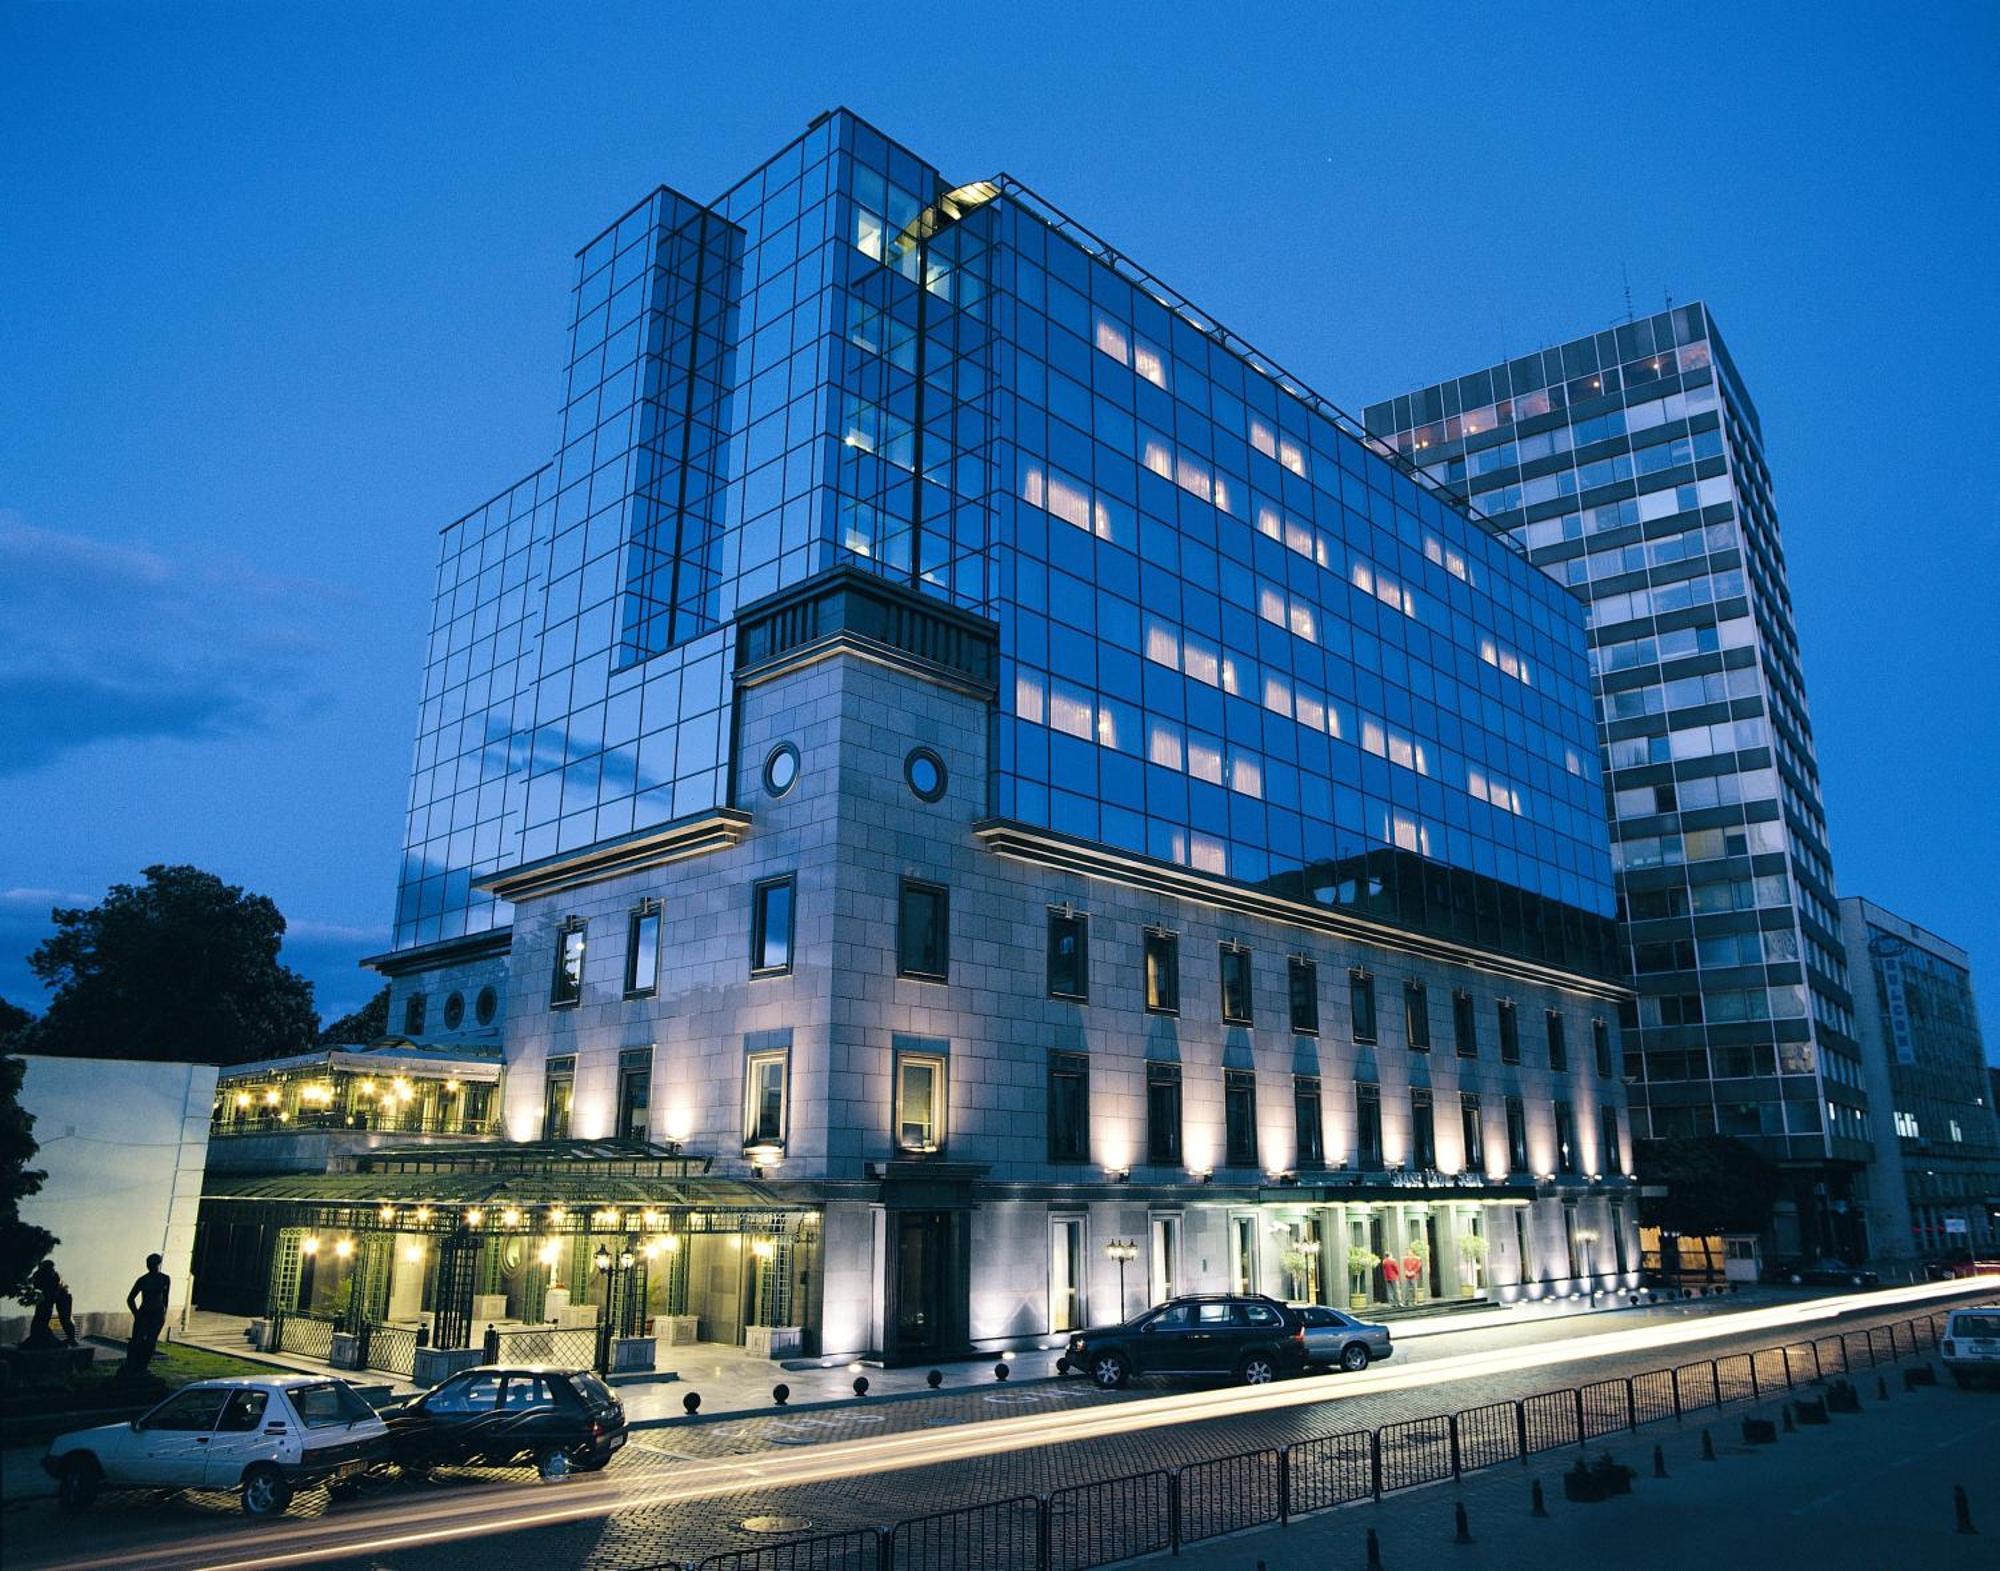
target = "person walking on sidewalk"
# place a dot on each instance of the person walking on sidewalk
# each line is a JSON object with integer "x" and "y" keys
{"x": 148, "y": 1303}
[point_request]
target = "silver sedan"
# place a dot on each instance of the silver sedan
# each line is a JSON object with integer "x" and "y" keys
{"x": 1334, "y": 1338}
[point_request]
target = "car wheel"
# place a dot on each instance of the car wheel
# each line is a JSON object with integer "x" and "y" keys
{"x": 1109, "y": 1371}
{"x": 1257, "y": 1370}
{"x": 552, "y": 1465}
{"x": 265, "y": 1492}
{"x": 1354, "y": 1358}
{"x": 81, "y": 1478}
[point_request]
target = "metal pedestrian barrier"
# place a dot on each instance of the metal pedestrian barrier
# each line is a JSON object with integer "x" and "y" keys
{"x": 1117, "y": 1519}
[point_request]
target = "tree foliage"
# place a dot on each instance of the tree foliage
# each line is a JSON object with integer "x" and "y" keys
{"x": 22, "y": 1245}
{"x": 365, "y": 1024}
{"x": 1714, "y": 1184}
{"x": 181, "y": 968}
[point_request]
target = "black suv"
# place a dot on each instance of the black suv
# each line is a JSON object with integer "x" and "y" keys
{"x": 556, "y": 1419}
{"x": 1253, "y": 1338}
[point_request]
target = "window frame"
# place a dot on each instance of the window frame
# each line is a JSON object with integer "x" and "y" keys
{"x": 645, "y": 911}
{"x": 1081, "y": 922}
{"x": 559, "y": 1069}
{"x": 1518, "y": 1160}
{"x": 1600, "y": 1046}
{"x": 1368, "y": 1094}
{"x": 1230, "y": 953}
{"x": 760, "y": 919}
{"x": 1563, "y": 1112}
{"x": 1416, "y": 1015}
{"x": 634, "y": 1064}
{"x": 1472, "y": 1132}
{"x": 1360, "y": 987}
{"x": 1069, "y": 1144}
{"x": 1558, "y": 1039}
{"x": 1162, "y": 1075}
{"x": 416, "y": 1010}
{"x": 1308, "y": 1123}
{"x": 754, "y": 1060}
{"x": 1465, "y": 1022}
{"x": 942, "y": 894}
{"x": 939, "y": 1065}
{"x": 566, "y": 992}
{"x": 1423, "y": 1130}
{"x": 1166, "y": 944}
{"x": 1508, "y": 1013}
{"x": 1302, "y": 986}
{"x": 1237, "y": 1084}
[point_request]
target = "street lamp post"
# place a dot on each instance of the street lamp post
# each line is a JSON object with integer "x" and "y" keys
{"x": 1122, "y": 1250}
{"x": 612, "y": 1269}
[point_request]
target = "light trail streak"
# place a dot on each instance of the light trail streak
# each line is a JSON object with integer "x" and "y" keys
{"x": 415, "y": 1524}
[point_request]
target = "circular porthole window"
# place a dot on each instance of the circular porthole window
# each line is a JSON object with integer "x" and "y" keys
{"x": 454, "y": 1012}
{"x": 484, "y": 1006}
{"x": 925, "y": 772}
{"x": 781, "y": 769}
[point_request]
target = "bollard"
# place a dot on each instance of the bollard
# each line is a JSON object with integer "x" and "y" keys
{"x": 781, "y": 1393}
{"x": 1535, "y": 1504}
{"x": 1659, "y": 1463}
{"x": 1707, "y": 1446}
{"x": 691, "y": 1403}
{"x": 1882, "y": 1388}
{"x": 1374, "y": 1551}
{"x": 1963, "y": 1507}
{"x": 1464, "y": 1533}
{"x": 860, "y": 1385}
{"x": 1000, "y": 1370}
{"x": 934, "y": 1379}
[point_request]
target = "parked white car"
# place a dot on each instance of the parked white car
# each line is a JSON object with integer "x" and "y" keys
{"x": 1971, "y": 1344}
{"x": 266, "y": 1437}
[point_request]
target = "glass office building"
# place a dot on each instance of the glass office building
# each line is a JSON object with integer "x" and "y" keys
{"x": 1630, "y": 466}
{"x": 912, "y": 563}
{"x": 1935, "y": 1190}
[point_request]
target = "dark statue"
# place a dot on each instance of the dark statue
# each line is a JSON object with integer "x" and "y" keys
{"x": 52, "y": 1303}
{"x": 148, "y": 1303}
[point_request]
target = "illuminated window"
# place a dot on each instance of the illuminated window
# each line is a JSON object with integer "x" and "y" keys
{"x": 1236, "y": 997}
{"x": 764, "y": 1099}
{"x": 920, "y": 1102}
{"x": 1162, "y": 952}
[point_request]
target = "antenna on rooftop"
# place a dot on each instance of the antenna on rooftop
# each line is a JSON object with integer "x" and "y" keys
{"x": 1626, "y": 274}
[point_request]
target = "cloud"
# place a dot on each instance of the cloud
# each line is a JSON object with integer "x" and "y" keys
{"x": 103, "y": 642}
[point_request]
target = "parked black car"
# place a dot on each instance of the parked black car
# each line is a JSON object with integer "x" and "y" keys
{"x": 1255, "y": 1339}
{"x": 1824, "y": 1272}
{"x": 504, "y": 1416}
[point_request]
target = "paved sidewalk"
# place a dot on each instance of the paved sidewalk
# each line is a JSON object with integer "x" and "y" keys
{"x": 1868, "y": 1492}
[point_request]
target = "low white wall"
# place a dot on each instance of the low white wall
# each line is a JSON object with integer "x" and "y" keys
{"x": 123, "y": 1143}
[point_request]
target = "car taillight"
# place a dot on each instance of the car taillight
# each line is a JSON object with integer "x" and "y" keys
{"x": 1299, "y": 1336}
{"x": 1950, "y": 1348}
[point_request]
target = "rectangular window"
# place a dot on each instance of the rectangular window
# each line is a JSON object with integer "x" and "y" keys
{"x": 1517, "y": 1136}
{"x": 1465, "y": 1024}
{"x": 1304, "y": 979}
{"x": 566, "y": 987}
{"x": 1510, "y": 1032}
{"x": 1239, "y": 1117}
{"x": 1423, "y": 1131}
{"x": 642, "y": 951}
{"x": 1361, "y": 1004}
{"x": 771, "y": 927}
{"x": 1069, "y": 1107}
{"x": 1163, "y": 1114}
{"x": 1066, "y": 1267}
{"x": 923, "y": 932}
{"x": 1565, "y": 1138}
{"x": 1417, "y": 1016}
{"x": 1600, "y": 1044}
{"x": 1236, "y": 1006}
{"x": 1069, "y": 954}
{"x": 1368, "y": 1128}
{"x": 1309, "y": 1130}
{"x": 1474, "y": 1129}
{"x": 558, "y": 1093}
{"x": 764, "y": 1099}
{"x": 635, "y": 1093}
{"x": 1610, "y": 1159}
{"x": 1163, "y": 971}
{"x": 1558, "y": 1042}
{"x": 920, "y": 1102}
{"x": 1164, "y": 1265}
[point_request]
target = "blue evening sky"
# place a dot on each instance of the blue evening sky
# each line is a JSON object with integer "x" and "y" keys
{"x": 282, "y": 290}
